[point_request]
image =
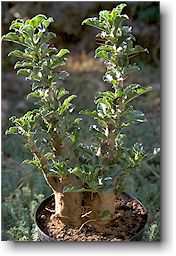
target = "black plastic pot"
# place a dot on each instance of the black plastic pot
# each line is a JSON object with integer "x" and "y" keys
{"x": 45, "y": 237}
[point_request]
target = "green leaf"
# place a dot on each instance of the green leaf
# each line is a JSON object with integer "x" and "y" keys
{"x": 78, "y": 172}
{"x": 138, "y": 153}
{"x": 24, "y": 72}
{"x": 16, "y": 53}
{"x": 33, "y": 95}
{"x": 36, "y": 20}
{"x": 61, "y": 92}
{"x": 102, "y": 54}
{"x": 94, "y": 22}
{"x": 36, "y": 74}
{"x": 35, "y": 77}
{"x": 86, "y": 174}
{"x": 62, "y": 75}
{"x": 119, "y": 93}
{"x": 107, "y": 94}
{"x": 36, "y": 85}
{"x": 34, "y": 162}
{"x": 47, "y": 22}
{"x": 28, "y": 30}
{"x": 119, "y": 19}
{"x": 23, "y": 64}
{"x": 135, "y": 90}
{"x": 130, "y": 69}
{"x": 28, "y": 42}
{"x": 141, "y": 90}
{"x": 62, "y": 52}
{"x": 19, "y": 54}
{"x": 117, "y": 10}
{"x": 104, "y": 101}
{"x": 16, "y": 24}
{"x": 104, "y": 15}
{"x": 106, "y": 48}
{"x": 45, "y": 38}
{"x": 13, "y": 37}
{"x": 104, "y": 214}
{"x": 57, "y": 63}
{"x": 136, "y": 49}
{"x": 88, "y": 112}
{"x": 77, "y": 121}
{"x": 12, "y": 119}
{"x": 135, "y": 116}
{"x": 73, "y": 188}
{"x": 66, "y": 103}
{"x": 11, "y": 130}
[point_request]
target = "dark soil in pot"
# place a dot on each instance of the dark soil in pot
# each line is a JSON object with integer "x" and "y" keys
{"x": 128, "y": 223}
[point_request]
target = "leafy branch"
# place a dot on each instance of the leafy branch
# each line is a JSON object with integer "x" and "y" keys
{"x": 49, "y": 129}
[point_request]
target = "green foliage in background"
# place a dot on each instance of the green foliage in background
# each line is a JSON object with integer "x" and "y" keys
{"x": 18, "y": 215}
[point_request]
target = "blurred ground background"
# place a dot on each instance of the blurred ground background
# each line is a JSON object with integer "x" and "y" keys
{"x": 23, "y": 187}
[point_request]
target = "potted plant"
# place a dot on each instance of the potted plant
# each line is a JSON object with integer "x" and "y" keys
{"x": 87, "y": 179}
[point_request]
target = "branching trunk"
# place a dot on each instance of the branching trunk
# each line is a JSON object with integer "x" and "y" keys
{"x": 68, "y": 206}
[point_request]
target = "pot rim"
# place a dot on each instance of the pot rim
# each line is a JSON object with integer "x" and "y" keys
{"x": 49, "y": 238}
